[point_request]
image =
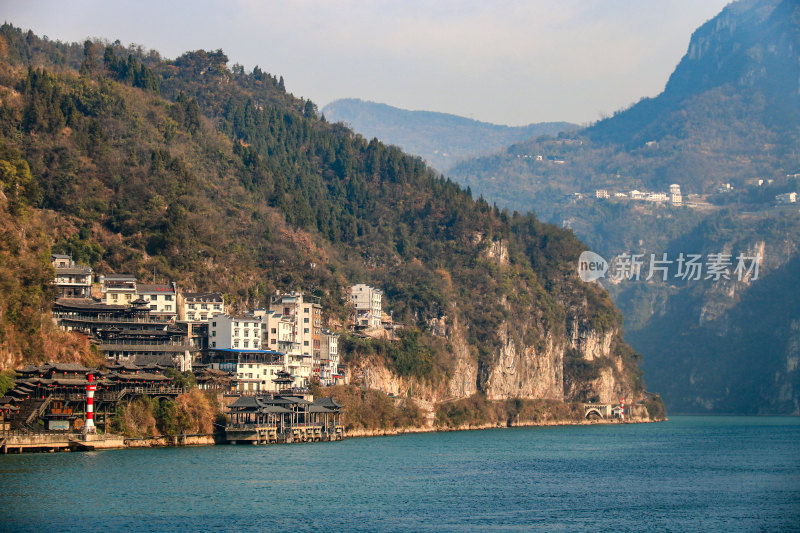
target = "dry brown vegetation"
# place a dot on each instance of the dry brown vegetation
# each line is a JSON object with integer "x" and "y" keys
{"x": 193, "y": 412}
{"x": 196, "y": 412}
{"x": 478, "y": 411}
{"x": 371, "y": 409}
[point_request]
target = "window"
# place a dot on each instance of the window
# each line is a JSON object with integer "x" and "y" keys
{"x": 191, "y": 316}
{"x": 203, "y": 307}
{"x": 273, "y": 331}
{"x": 305, "y": 310}
{"x": 168, "y": 297}
{"x": 191, "y": 306}
{"x": 114, "y": 297}
{"x": 247, "y": 333}
{"x": 153, "y": 307}
{"x": 214, "y": 333}
{"x": 305, "y": 320}
{"x": 204, "y": 317}
{"x": 273, "y": 341}
{"x": 305, "y": 330}
{"x": 213, "y": 344}
{"x": 305, "y": 343}
{"x": 167, "y": 308}
{"x": 246, "y": 343}
{"x": 217, "y": 307}
{"x": 236, "y": 332}
{"x": 213, "y": 324}
{"x": 236, "y": 343}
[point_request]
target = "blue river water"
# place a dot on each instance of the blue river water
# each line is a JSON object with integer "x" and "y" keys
{"x": 688, "y": 474}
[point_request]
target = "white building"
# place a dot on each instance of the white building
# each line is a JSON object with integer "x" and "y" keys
{"x": 72, "y": 280}
{"x": 118, "y": 290}
{"x": 163, "y": 299}
{"x": 277, "y": 331}
{"x": 329, "y": 364}
{"x": 253, "y": 371}
{"x": 638, "y": 195}
{"x": 786, "y": 198}
{"x": 601, "y": 193}
{"x": 657, "y": 197}
{"x": 367, "y": 303}
{"x": 294, "y": 322}
{"x": 200, "y": 306}
{"x": 234, "y": 333}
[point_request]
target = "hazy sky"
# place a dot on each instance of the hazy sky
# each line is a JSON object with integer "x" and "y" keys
{"x": 509, "y": 62}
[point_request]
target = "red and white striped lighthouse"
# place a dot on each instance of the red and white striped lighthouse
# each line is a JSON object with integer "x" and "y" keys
{"x": 90, "y": 388}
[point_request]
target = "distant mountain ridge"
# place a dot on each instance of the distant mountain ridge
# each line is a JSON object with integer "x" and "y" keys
{"x": 441, "y": 139}
{"x": 745, "y": 58}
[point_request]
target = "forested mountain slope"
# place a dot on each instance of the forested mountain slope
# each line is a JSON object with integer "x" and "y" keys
{"x": 220, "y": 180}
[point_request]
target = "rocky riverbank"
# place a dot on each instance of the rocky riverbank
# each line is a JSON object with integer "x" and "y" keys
{"x": 387, "y": 432}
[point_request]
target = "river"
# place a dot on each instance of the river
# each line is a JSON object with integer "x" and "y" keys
{"x": 688, "y": 474}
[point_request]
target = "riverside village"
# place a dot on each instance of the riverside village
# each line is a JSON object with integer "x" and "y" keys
{"x": 260, "y": 364}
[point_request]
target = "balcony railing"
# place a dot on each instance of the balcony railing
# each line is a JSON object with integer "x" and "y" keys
{"x": 160, "y": 320}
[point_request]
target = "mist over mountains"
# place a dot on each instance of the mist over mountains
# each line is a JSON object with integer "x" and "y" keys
{"x": 440, "y": 139}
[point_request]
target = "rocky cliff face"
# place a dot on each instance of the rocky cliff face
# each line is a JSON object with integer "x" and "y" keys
{"x": 518, "y": 370}
{"x": 731, "y": 346}
{"x": 530, "y": 360}
{"x": 523, "y": 371}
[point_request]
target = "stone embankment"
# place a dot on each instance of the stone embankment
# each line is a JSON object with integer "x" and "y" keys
{"x": 387, "y": 432}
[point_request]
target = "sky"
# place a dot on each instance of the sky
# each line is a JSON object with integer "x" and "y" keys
{"x": 502, "y": 61}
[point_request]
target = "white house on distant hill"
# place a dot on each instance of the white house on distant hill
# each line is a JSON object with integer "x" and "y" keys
{"x": 367, "y": 303}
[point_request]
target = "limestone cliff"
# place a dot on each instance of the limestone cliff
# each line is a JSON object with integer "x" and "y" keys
{"x": 572, "y": 359}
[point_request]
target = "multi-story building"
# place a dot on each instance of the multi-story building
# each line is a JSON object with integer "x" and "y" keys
{"x": 786, "y": 198}
{"x": 367, "y": 303}
{"x": 127, "y": 333}
{"x": 162, "y": 299}
{"x": 118, "y": 289}
{"x": 277, "y": 331}
{"x": 601, "y": 193}
{"x": 200, "y": 306}
{"x": 253, "y": 370}
{"x": 72, "y": 280}
{"x": 234, "y": 333}
{"x": 638, "y": 195}
{"x": 299, "y": 317}
{"x": 329, "y": 367}
{"x": 657, "y": 197}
